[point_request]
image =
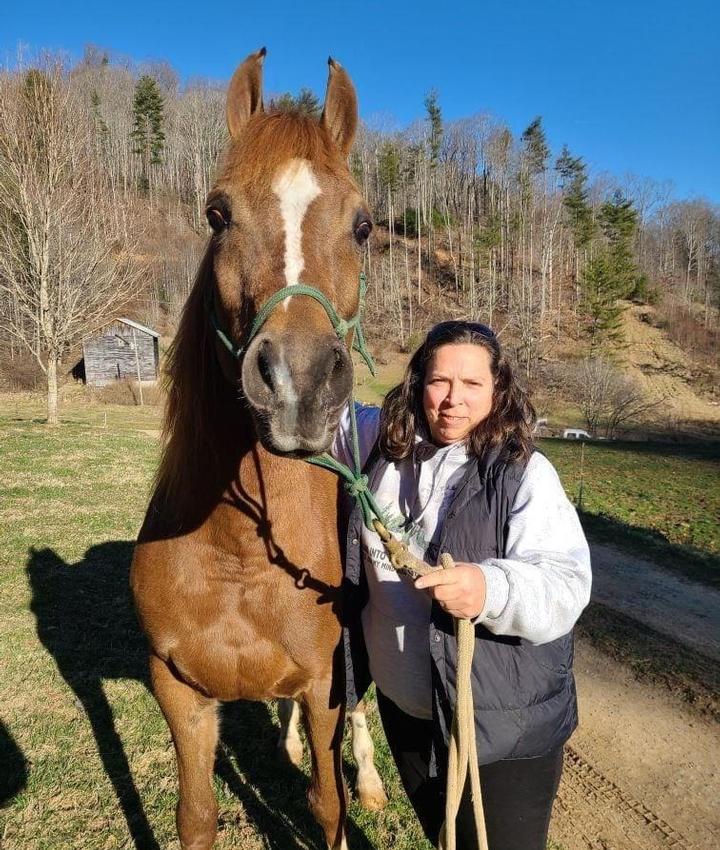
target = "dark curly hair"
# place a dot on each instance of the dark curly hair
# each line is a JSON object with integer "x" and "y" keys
{"x": 511, "y": 418}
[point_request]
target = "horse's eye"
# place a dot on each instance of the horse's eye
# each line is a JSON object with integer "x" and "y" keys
{"x": 218, "y": 215}
{"x": 363, "y": 229}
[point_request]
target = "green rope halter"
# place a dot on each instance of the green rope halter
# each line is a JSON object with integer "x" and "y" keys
{"x": 341, "y": 326}
{"x": 355, "y": 482}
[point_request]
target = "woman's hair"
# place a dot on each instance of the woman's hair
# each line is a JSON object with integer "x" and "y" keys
{"x": 509, "y": 423}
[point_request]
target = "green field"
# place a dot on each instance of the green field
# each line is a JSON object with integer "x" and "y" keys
{"x": 86, "y": 756}
{"x": 87, "y": 760}
{"x": 660, "y": 500}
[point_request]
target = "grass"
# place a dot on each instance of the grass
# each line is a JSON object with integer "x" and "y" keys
{"x": 87, "y": 760}
{"x": 659, "y": 500}
{"x": 373, "y": 389}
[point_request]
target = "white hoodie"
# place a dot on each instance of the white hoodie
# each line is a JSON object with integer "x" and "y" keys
{"x": 536, "y": 592}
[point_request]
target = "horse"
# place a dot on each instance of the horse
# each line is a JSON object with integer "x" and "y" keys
{"x": 237, "y": 571}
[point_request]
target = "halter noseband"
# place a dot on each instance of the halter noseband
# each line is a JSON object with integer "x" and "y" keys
{"x": 341, "y": 326}
{"x": 355, "y": 482}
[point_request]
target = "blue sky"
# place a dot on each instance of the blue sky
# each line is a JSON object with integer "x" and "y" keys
{"x": 631, "y": 86}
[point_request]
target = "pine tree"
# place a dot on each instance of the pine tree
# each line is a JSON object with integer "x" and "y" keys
{"x": 147, "y": 134}
{"x": 535, "y": 146}
{"x": 618, "y": 221}
{"x": 305, "y": 102}
{"x": 389, "y": 167}
{"x": 599, "y": 307}
{"x": 436, "y": 126}
{"x": 611, "y": 274}
{"x": 573, "y": 185}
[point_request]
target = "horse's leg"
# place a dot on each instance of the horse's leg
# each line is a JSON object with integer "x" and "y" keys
{"x": 327, "y": 794}
{"x": 289, "y": 741}
{"x": 193, "y": 723}
{"x": 369, "y": 785}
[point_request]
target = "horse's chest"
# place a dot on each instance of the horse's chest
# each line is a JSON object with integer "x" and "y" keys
{"x": 252, "y": 630}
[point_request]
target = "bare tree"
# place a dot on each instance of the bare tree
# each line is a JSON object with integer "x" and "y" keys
{"x": 65, "y": 256}
{"x": 607, "y": 397}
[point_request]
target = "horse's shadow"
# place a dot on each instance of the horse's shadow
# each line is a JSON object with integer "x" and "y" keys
{"x": 86, "y": 620}
{"x": 13, "y": 776}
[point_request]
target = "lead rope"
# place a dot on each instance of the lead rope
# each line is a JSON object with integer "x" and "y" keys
{"x": 462, "y": 752}
{"x": 462, "y": 748}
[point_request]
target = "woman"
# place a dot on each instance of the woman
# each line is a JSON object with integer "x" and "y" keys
{"x": 451, "y": 463}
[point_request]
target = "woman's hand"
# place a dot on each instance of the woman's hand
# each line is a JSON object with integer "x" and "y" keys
{"x": 460, "y": 591}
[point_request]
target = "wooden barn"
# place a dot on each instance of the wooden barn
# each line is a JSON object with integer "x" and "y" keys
{"x": 119, "y": 350}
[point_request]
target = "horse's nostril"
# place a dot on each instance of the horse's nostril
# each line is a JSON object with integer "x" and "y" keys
{"x": 264, "y": 361}
{"x": 339, "y": 360}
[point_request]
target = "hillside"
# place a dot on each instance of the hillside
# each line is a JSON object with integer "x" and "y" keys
{"x": 470, "y": 220}
{"x": 689, "y": 390}
{"x": 685, "y": 386}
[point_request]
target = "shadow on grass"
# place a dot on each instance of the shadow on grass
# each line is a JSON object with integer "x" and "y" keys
{"x": 86, "y": 620}
{"x": 272, "y": 791}
{"x": 687, "y": 561}
{"x": 13, "y": 776}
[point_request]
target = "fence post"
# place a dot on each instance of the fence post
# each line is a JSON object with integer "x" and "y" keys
{"x": 582, "y": 475}
{"x": 137, "y": 368}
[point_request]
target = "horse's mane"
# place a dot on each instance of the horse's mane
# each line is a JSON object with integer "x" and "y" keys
{"x": 197, "y": 393}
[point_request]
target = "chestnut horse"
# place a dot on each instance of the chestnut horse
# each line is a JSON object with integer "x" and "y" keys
{"x": 237, "y": 570}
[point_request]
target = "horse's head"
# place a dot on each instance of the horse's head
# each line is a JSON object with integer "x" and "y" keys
{"x": 285, "y": 210}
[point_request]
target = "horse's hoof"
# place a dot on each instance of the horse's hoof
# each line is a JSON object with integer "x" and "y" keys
{"x": 372, "y": 798}
{"x": 292, "y": 751}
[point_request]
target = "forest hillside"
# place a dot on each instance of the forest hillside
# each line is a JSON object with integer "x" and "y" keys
{"x": 605, "y": 288}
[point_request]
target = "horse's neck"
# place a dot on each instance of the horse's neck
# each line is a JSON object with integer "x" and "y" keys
{"x": 248, "y": 471}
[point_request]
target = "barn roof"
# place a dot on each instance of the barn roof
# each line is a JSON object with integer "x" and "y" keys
{"x": 129, "y": 322}
{"x": 139, "y": 327}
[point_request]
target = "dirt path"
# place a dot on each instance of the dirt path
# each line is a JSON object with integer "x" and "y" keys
{"x": 685, "y": 610}
{"x": 643, "y": 771}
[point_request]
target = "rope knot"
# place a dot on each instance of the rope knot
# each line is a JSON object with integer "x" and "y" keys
{"x": 357, "y": 486}
{"x": 341, "y": 328}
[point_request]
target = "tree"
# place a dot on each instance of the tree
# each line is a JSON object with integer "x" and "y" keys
{"x": 434, "y": 114}
{"x": 618, "y": 221}
{"x": 305, "y": 102}
{"x": 200, "y": 133}
{"x": 147, "y": 135}
{"x": 535, "y": 146}
{"x": 606, "y": 396}
{"x": 573, "y": 185}
{"x": 65, "y": 259}
{"x": 389, "y": 167}
{"x": 102, "y": 132}
{"x": 600, "y": 307}
{"x": 611, "y": 274}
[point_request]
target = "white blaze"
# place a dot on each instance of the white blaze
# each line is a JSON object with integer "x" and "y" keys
{"x": 295, "y": 187}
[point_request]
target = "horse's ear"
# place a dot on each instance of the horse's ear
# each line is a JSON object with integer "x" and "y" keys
{"x": 340, "y": 113}
{"x": 245, "y": 92}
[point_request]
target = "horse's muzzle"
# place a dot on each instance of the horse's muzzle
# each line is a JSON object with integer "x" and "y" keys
{"x": 296, "y": 384}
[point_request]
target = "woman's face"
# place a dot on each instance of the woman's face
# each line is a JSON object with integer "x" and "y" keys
{"x": 458, "y": 391}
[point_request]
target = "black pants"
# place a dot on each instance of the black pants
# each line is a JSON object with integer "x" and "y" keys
{"x": 518, "y": 794}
